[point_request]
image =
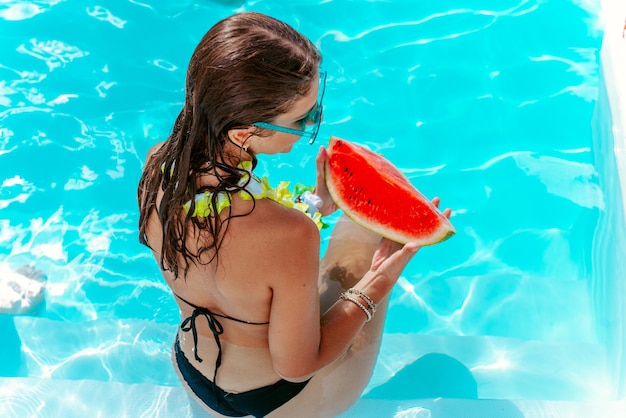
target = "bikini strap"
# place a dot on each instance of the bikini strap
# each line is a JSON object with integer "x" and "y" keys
{"x": 220, "y": 315}
{"x": 189, "y": 324}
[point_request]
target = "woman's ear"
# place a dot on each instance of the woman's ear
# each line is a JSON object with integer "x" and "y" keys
{"x": 241, "y": 137}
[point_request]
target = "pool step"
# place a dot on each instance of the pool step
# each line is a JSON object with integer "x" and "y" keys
{"x": 491, "y": 367}
{"x": 51, "y": 398}
{"x": 132, "y": 351}
{"x": 485, "y": 408}
{"x": 118, "y": 350}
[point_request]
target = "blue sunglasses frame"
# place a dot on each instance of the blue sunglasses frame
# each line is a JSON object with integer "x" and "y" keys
{"x": 314, "y": 116}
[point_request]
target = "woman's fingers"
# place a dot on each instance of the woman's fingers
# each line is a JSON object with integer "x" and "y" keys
{"x": 447, "y": 213}
{"x": 328, "y": 205}
{"x": 320, "y": 159}
{"x": 411, "y": 247}
{"x": 393, "y": 257}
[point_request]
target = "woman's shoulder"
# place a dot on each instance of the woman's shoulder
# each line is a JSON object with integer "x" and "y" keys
{"x": 154, "y": 149}
{"x": 275, "y": 239}
{"x": 278, "y": 217}
{"x": 275, "y": 226}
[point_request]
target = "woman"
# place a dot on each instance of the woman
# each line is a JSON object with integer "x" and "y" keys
{"x": 268, "y": 329}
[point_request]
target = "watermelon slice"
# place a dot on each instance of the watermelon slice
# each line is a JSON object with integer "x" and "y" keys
{"x": 376, "y": 195}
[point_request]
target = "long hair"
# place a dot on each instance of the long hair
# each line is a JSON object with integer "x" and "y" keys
{"x": 248, "y": 68}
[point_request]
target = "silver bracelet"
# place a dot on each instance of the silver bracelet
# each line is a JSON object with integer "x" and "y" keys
{"x": 363, "y": 296}
{"x": 357, "y": 303}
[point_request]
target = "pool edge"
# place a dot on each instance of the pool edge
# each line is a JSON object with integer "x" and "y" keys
{"x": 609, "y": 285}
{"x": 613, "y": 61}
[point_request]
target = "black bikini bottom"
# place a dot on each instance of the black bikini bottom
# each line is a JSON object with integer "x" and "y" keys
{"x": 257, "y": 402}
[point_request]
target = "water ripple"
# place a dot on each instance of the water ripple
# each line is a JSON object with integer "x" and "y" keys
{"x": 54, "y": 53}
{"x": 25, "y": 109}
{"x": 522, "y": 8}
{"x": 15, "y": 189}
{"x": 22, "y": 84}
{"x": 74, "y": 257}
{"x": 21, "y": 10}
{"x": 575, "y": 181}
{"x": 586, "y": 68}
{"x": 87, "y": 177}
{"x": 5, "y": 136}
{"x": 105, "y": 347}
{"x": 164, "y": 64}
{"x": 4, "y": 92}
{"x": 103, "y": 14}
{"x": 413, "y": 173}
{"x": 103, "y": 87}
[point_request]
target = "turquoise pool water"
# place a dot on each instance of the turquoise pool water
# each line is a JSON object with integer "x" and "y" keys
{"x": 487, "y": 104}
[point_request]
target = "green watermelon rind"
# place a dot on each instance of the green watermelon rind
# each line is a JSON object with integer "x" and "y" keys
{"x": 441, "y": 232}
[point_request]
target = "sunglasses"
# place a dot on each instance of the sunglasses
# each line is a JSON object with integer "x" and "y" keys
{"x": 309, "y": 124}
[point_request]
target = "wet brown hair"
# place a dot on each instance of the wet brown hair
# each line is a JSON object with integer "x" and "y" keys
{"x": 248, "y": 68}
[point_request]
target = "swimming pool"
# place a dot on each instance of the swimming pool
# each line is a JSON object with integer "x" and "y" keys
{"x": 488, "y": 104}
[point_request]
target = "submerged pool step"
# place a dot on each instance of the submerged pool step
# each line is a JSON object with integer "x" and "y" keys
{"x": 138, "y": 351}
{"x": 485, "y": 408}
{"x": 128, "y": 350}
{"x": 51, "y": 398}
{"x": 424, "y": 366}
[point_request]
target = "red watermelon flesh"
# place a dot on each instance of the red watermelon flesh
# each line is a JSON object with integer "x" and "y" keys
{"x": 375, "y": 194}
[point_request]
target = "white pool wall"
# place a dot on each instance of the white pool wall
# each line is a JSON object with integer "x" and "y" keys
{"x": 609, "y": 284}
{"x": 613, "y": 62}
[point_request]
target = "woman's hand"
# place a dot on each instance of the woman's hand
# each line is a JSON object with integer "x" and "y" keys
{"x": 391, "y": 258}
{"x": 328, "y": 205}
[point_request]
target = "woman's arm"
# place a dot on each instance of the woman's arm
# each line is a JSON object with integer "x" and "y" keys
{"x": 299, "y": 342}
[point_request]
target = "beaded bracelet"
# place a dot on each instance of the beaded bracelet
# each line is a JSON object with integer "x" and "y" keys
{"x": 357, "y": 303}
{"x": 363, "y": 296}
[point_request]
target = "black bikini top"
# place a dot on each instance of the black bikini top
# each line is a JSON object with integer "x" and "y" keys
{"x": 189, "y": 324}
